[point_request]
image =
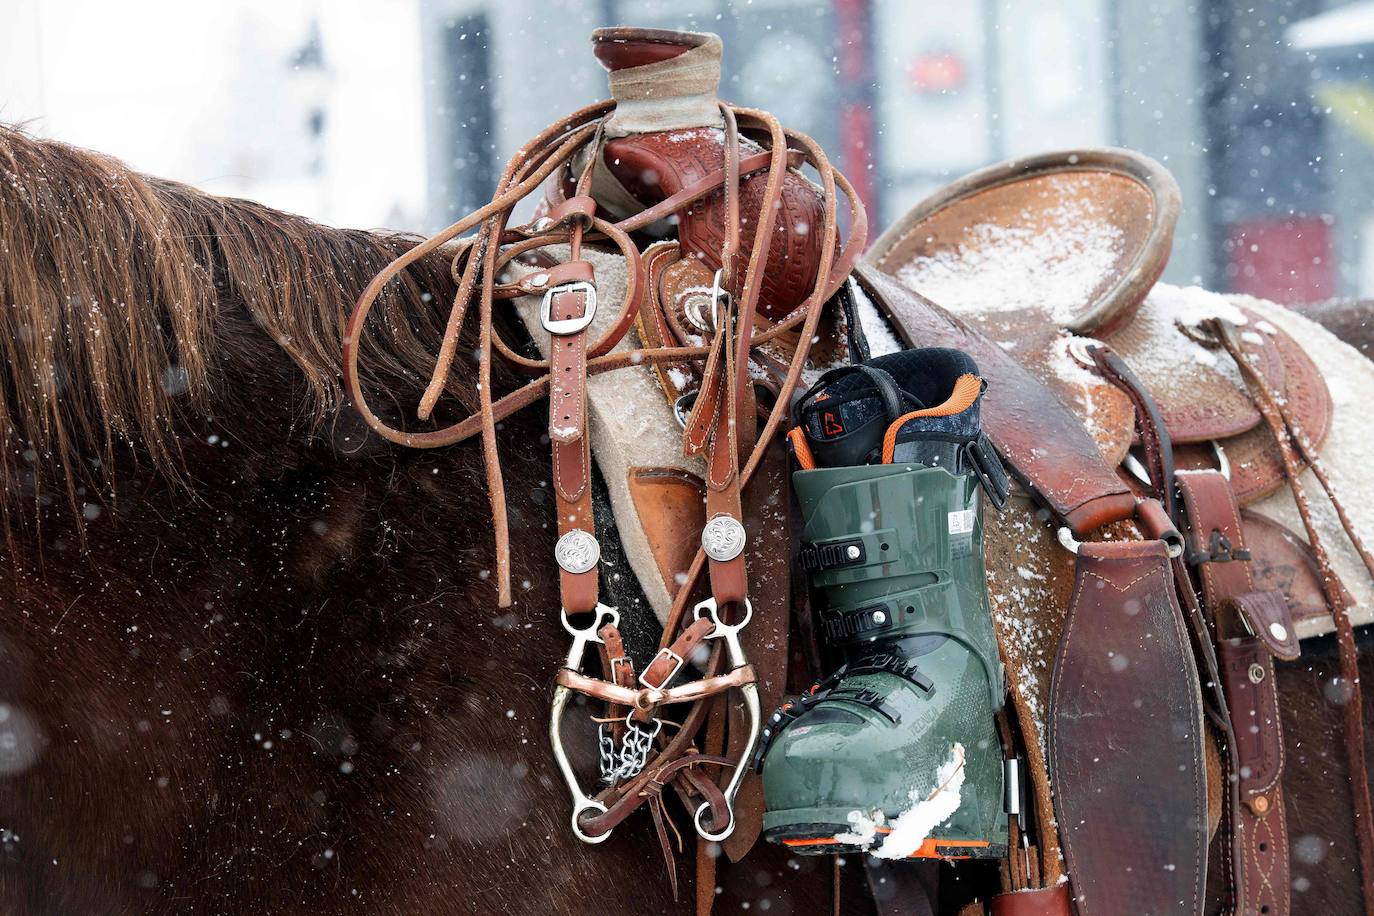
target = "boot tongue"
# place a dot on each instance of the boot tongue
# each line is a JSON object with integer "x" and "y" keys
{"x": 845, "y": 423}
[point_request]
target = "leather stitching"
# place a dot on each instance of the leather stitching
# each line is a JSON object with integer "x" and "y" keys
{"x": 1199, "y": 792}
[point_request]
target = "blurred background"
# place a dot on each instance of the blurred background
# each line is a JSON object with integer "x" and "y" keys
{"x": 401, "y": 113}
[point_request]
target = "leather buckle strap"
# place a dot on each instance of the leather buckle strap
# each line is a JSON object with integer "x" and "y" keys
{"x": 566, "y": 311}
{"x": 667, "y": 657}
{"x": 562, "y": 327}
{"x": 1217, "y": 548}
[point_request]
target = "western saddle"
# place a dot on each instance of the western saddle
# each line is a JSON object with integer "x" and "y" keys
{"x": 729, "y": 280}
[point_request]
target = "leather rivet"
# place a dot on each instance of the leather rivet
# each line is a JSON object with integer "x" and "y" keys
{"x": 1260, "y": 804}
{"x": 539, "y": 280}
{"x": 1256, "y": 673}
{"x": 1278, "y": 631}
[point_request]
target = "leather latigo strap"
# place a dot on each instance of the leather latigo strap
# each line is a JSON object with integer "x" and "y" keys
{"x": 1126, "y": 738}
{"x": 1216, "y": 548}
{"x": 1041, "y": 440}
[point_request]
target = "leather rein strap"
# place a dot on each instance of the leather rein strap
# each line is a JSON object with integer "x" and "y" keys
{"x": 719, "y": 430}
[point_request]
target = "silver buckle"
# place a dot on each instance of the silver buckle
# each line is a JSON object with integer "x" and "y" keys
{"x": 566, "y": 326}
{"x": 677, "y": 666}
{"x": 719, "y": 294}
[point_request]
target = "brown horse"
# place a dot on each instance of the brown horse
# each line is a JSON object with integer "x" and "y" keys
{"x": 250, "y": 657}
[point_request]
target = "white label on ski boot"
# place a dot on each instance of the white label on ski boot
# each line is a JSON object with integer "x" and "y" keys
{"x": 961, "y": 522}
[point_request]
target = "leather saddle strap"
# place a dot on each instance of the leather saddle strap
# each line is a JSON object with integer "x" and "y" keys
{"x": 1247, "y": 674}
{"x": 1271, "y": 408}
{"x": 1159, "y": 464}
{"x": 1154, "y": 437}
{"x": 1126, "y": 738}
{"x": 1042, "y": 440}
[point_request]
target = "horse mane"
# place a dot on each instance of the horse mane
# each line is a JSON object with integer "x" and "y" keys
{"x": 123, "y": 298}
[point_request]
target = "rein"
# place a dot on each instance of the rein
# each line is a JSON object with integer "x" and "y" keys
{"x": 718, "y": 429}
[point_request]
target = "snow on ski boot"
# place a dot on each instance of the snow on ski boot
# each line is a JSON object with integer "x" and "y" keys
{"x": 896, "y": 752}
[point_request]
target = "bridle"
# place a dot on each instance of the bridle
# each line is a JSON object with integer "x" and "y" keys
{"x": 719, "y": 429}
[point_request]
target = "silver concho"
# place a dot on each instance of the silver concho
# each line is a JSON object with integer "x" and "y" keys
{"x": 722, "y": 538}
{"x": 577, "y": 551}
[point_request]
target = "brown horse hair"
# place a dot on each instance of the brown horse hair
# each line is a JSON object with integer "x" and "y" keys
{"x": 112, "y": 286}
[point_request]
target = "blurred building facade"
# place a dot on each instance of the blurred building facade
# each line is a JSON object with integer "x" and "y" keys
{"x": 308, "y": 106}
{"x": 1261, "y": 120}
{"x": 402, "y": 113}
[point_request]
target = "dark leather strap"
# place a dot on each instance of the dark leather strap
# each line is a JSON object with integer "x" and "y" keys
{"x": 1126, "y": 738}
{"x": 1045, "y": 901}
{"x": 1040, "y": 439}
{"x": 1154, "y": 438}
{"x": 1257, "y": 818}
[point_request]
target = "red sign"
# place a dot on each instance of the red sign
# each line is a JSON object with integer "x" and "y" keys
{"x": 937, "y": 73}
{"x": 1287, "y": 260}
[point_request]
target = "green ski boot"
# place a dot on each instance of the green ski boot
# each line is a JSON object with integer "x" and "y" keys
{"x": 896, "y": 752}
